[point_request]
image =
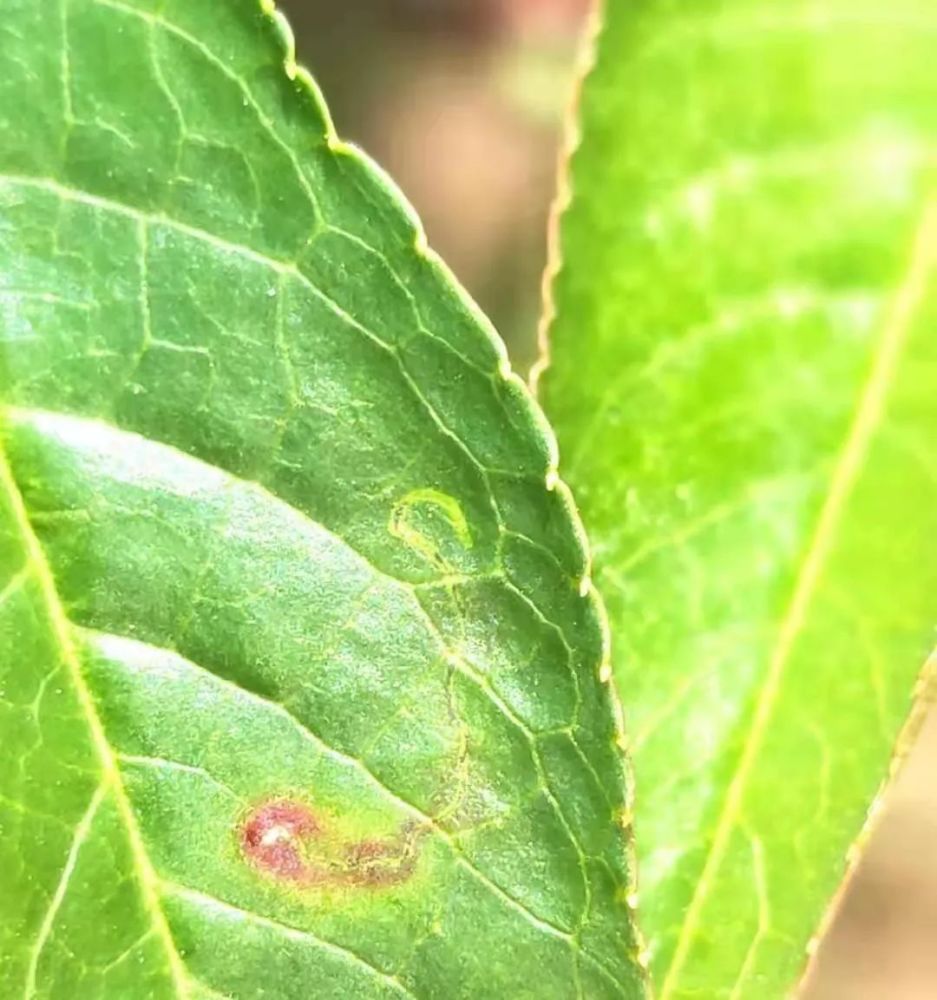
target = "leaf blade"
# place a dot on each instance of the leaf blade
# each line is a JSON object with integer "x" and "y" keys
{"x": 269, "y": 449}
{"x": 745, "y": 285}
{"x": 872, "y": 401}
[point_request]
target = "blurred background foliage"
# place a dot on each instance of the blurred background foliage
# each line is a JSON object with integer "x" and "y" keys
{"x": 463, "y": 102}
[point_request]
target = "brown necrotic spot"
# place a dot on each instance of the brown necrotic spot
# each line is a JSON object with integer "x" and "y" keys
{"x": 284, "y": 839}
{"x": 382, "y": 862}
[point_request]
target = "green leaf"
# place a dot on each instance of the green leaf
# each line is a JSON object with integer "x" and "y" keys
{"x": 743, "y": 384}
{"x": 299, "y": 682}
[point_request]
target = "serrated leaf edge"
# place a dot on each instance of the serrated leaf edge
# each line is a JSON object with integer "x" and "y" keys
{"x": 923, "y": 701}
{"x": 571, "y": 139}
{"x": 282, "y": 33}
{"x": 552, "y": 480}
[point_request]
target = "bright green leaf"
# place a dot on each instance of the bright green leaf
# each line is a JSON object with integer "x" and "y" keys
{"x": 299, "y": 691}
{"x": 743, "y": 381}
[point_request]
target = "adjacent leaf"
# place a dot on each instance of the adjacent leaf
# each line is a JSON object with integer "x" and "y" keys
{"x": 744, "y": 382}
{"x": 299, "y": 691}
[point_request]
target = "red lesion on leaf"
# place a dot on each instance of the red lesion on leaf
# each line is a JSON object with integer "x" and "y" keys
{"x": 286, "y": 840}
{"x": 273, "y": 836}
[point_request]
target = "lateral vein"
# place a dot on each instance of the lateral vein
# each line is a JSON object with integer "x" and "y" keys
{"x": 71, "y": 860}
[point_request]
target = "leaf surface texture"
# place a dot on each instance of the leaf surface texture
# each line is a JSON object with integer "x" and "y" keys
{"x": 742, "y": 381}
{"x": 299, "y": 694}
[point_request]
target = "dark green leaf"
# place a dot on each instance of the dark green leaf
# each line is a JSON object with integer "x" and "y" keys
{"x": 299, "y": 694}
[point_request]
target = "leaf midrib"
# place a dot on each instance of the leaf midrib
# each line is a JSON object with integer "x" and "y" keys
{"x": 111, "y": 777}
{"x": 866, "y": 419}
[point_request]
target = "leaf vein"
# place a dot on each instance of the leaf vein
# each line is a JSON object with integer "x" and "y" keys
{"x": 205, "y": 900}
{"x": 62, "y": 632}
{"x": 82, "y": 830}
{"x": 871, "y": 403}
